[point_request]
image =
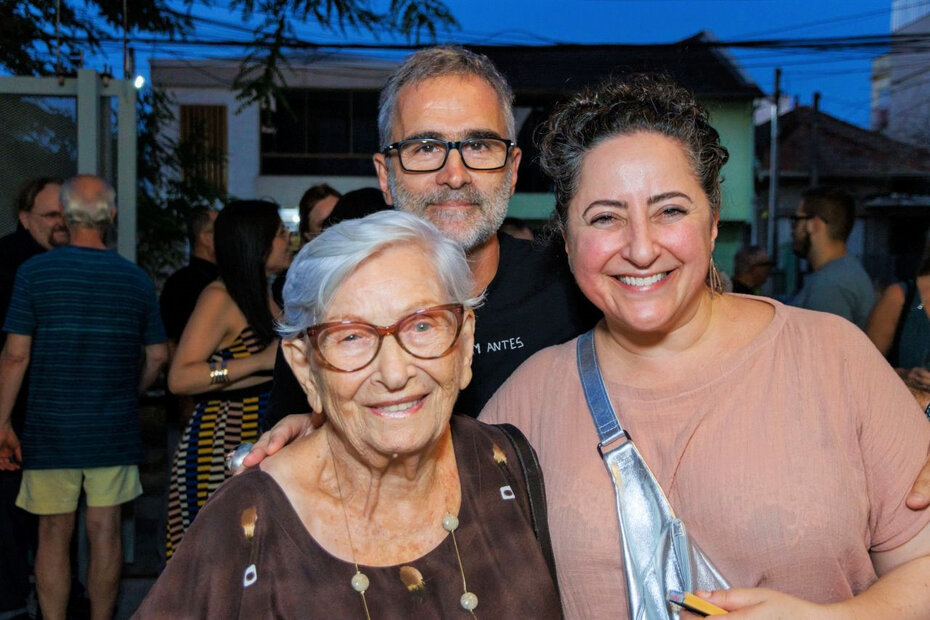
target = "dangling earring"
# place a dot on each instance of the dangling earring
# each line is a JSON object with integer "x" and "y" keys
{"x": 714, "y": 279}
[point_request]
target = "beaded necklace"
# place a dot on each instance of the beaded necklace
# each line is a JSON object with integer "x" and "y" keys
{"x": 360, "y": 581}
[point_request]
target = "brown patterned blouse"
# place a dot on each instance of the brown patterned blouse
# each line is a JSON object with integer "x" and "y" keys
{"x": 219, "y": 572}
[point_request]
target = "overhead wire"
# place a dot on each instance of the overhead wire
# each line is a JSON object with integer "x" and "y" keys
{"x": 902, "y": 43}
{"x": 831, "y": 44}
{"x": 810, "y": 57}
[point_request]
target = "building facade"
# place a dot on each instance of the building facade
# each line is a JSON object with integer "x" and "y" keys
{"x": 323, "y": 125}
{"x": 901, "y": 78}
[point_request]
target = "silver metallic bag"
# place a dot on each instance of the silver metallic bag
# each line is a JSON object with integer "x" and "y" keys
{"x": 658, "y": 554}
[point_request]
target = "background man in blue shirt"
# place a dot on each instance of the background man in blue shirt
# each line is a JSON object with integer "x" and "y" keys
{"x": 78, "y": 319}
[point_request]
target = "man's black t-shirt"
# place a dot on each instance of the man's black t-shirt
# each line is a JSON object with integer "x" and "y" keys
{"x": 532, "y": 303}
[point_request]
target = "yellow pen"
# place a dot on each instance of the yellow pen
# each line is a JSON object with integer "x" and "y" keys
{"x": 694, "y": 604}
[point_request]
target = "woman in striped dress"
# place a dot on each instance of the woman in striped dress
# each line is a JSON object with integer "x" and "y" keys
{"x": 226, "y": 356}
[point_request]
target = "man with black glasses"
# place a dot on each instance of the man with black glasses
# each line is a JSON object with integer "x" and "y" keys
{"x": 447, "y": 130}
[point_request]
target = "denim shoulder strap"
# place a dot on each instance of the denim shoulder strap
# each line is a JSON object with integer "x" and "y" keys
{"x": 595, "y": 394}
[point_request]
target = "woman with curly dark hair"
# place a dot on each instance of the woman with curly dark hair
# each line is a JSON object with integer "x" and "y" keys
{"x": 779, "y": 435}
{"x": 226, "y": 355}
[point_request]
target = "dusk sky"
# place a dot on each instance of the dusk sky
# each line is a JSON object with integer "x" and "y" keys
{"x": 841, "y": 75}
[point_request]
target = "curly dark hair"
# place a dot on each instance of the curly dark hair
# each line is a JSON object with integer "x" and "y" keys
{"x": 616, "y": 107}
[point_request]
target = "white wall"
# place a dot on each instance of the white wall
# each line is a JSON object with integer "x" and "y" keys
{"x": 244, "y": 152}
{"x": 242, "y": 134}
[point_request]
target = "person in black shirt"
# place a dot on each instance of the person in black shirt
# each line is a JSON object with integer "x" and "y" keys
{"x": 531, "y": 303}
{"x": 181, "y": 290}
{"x": 458, "y": 101}
{"x": 41, "y": 227}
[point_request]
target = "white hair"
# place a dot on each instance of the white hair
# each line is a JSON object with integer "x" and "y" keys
{"x": 324, "y": 264}
{"x": 87, "y": 208}
{"x": 437, "y": 62}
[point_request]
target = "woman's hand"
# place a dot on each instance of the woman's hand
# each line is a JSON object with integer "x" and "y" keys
{"x": 763, "y": 603}
{"x": 284, "y": 432}
{"x": 11, "y": 454}
{"x": 919, "y": 497}
{"x": 918, "y": 377}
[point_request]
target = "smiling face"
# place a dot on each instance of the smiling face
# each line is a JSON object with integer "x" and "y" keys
{"x": 468, "y": 206}
{"x": 640, "y": 233}
{"x": 398, "y": 404}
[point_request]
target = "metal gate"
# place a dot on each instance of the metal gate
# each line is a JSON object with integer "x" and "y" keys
{"x": 64, "y": 126}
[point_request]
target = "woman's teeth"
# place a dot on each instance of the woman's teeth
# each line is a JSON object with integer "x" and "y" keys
{"x": 399, "y": 407}
{"x": 634, "y": 281}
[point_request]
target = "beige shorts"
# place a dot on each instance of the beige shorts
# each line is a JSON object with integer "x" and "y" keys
{"x": 56, "y": 491}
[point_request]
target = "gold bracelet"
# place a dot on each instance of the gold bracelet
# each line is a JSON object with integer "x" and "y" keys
{"x": 219, "y": 375}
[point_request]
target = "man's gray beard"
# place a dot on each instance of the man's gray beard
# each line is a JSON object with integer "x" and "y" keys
{"x": 493, "y": 208}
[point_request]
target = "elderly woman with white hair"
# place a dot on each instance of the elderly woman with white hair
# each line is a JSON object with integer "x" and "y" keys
{"x": 394, "y": 507}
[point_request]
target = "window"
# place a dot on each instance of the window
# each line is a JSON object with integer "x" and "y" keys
{"x": 202, "y": 148}
{"x": 324, "y": 132}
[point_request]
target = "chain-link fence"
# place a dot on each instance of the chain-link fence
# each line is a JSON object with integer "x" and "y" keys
{"x": 38, "y": 138}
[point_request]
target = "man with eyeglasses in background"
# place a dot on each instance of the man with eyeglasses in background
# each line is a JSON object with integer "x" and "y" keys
{"x": 838, "y": 284}
{"x": 40, "y": 227}
{"x": 86, "y": 322}
{"x": 449, "y": 155}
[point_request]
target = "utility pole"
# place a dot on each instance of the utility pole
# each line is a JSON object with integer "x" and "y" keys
{"x": 126, "y": 68}
{"x": 815, "y": 141}
{"x": 773, "y": 174}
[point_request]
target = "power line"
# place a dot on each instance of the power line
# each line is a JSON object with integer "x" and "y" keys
{"x": 900, "y": 43}
{"x": 820, "y": 44}
{"x": 822, "y": 22}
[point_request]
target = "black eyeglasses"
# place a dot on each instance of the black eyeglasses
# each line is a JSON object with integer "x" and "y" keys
{"x": 347, "y": 346}
{"x": 429, "y": 155}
